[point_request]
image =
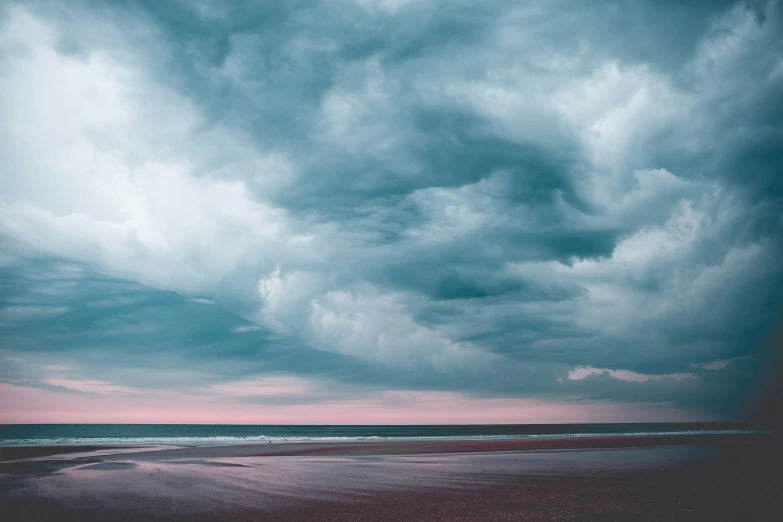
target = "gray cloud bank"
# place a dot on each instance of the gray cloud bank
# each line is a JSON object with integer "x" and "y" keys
{"x": 548, "y": 199}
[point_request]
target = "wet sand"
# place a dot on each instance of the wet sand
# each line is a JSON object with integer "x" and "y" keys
{"x": 24, "y": 452}
{"x": 718, "y": 477}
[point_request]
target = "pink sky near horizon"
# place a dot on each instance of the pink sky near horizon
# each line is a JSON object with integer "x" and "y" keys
{"x": 23, "y": 404}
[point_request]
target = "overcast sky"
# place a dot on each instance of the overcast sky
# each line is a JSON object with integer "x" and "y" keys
{"x": 388, "y": 210}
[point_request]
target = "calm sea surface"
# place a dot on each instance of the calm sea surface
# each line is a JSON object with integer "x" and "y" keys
{"x": 202, "y": 434}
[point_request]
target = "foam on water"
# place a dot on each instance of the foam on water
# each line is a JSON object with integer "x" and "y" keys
{"x": 256, "y": 439}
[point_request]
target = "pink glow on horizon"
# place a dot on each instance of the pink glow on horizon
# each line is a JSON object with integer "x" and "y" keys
{"x": 19, "y": 404}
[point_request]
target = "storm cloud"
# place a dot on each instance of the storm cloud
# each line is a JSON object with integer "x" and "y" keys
{"x": 546, "y": 201}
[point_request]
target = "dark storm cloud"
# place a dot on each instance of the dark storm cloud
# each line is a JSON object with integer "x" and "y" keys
{"x": 432, "y": 195}
{"x": 56, "y": 311}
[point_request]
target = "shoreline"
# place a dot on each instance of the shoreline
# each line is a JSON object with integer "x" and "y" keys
{"x": 386, "y": 447}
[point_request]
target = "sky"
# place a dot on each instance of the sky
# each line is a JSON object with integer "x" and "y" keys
{"x": 389, "y": 211}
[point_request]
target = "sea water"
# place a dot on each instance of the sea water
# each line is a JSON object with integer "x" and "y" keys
{"x": 207, "y": 434}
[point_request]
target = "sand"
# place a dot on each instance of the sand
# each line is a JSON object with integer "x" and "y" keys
{"x": 630, "y": 478}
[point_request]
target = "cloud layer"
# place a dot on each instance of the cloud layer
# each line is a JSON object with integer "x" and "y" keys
{"x": 545, "y": 202}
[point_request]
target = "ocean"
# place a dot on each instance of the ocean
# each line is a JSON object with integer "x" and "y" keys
{"x": 209, "y": 434}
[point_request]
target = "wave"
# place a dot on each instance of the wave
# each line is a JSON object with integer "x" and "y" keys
{"x": 221, "y": 440}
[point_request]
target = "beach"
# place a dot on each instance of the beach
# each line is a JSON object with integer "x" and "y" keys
{"x": 715, "y": 477}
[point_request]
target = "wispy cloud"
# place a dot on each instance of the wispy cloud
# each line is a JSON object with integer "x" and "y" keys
{"x": 55, "y": 368}
{"x": 87, "y": 386}
{"x": 583, "y": 372}
{"x": 246, "y": 328}
{"x": 264, "y": 386}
